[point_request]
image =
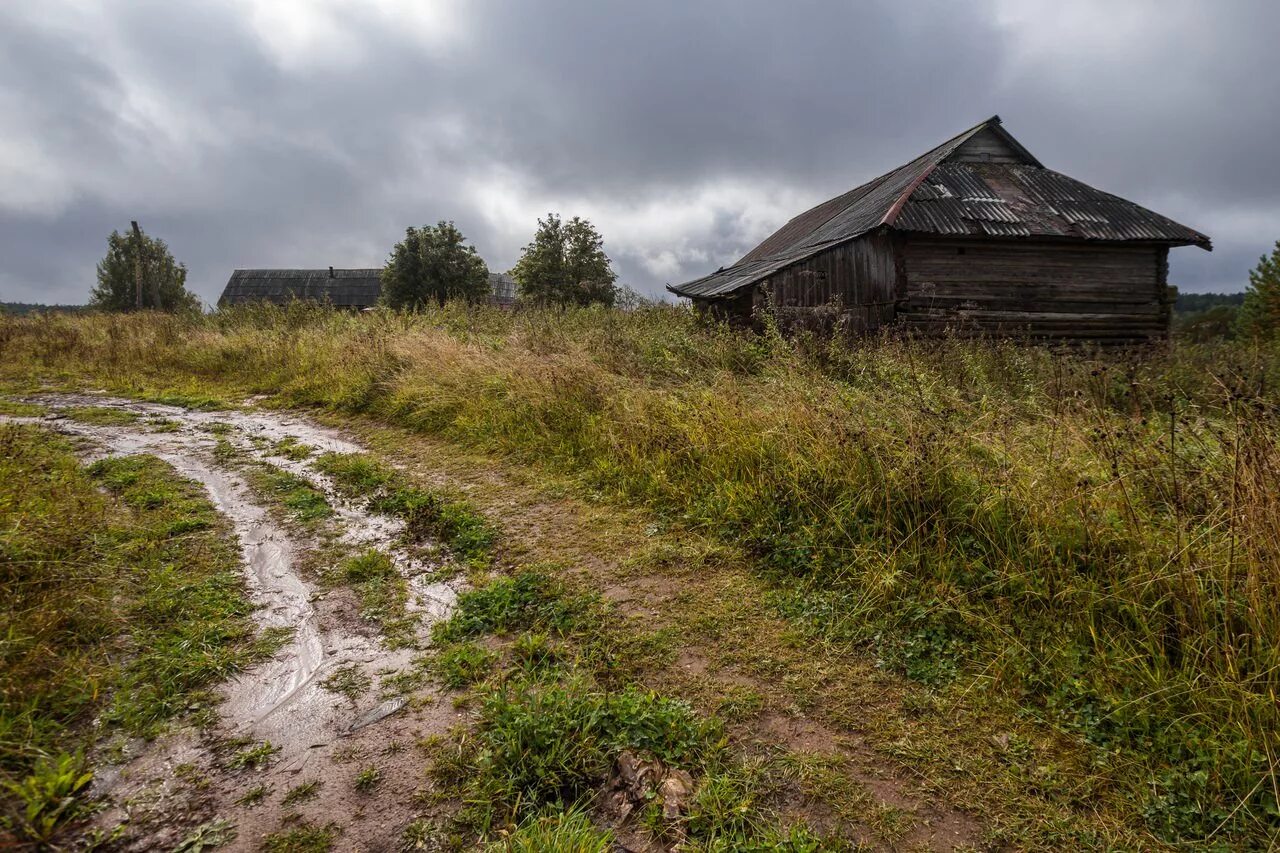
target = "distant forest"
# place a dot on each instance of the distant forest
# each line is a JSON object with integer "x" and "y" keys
{"x": 1189, "y": 303}
{"x": 33, "y": 307}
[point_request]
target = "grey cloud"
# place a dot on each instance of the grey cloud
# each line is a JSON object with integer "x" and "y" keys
{"x": 183, "y": 116}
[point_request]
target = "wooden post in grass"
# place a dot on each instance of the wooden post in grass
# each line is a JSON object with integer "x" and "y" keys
{"x": 137, "y": 263}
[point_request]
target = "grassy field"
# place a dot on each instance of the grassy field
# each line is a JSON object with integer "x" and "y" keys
{"x": 1094, "y": 538}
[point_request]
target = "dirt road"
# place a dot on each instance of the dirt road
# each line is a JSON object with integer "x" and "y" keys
{"x": 325, "y": 703}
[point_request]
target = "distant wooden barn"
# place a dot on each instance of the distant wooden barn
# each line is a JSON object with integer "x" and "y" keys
{"x": 343, "y": 288}
{"x": 975, "y": 236}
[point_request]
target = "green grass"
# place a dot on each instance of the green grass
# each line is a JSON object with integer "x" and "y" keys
{"x": 18, "y": 409}
{"x": 302, "y": 501}
{"x": 349, "y": 681}
{"x": 547, "y": 738}
{"x": 383, "y": 594}
{"x": 462, "y": 664}
{"x": 532, "y": 598}
{"x": 368, "y": 779}
{"x": 302, "y": 839}
{"x": 291, "y": 448}
{"x": 124, "y": 602}
{"x": 100, "y": 415}
{"x": 427, "y": 514}
{"x": 566, "y": 832}
{"x": 1091, "y": 536}
{"x": 254, "y": 757}
{"x": 302, "y": 792}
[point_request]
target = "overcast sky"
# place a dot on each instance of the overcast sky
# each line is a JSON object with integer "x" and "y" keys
{"x": 309, "y": 133}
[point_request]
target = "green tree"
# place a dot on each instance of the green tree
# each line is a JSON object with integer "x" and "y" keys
{"x": 164, "y": 280}
{"x": 566, "y": 265}
{"x": 433, "y": 263}
{"x": 1260, "y": 314}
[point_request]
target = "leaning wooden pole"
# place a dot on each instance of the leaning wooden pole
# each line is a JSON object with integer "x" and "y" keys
{"x": 137, "y": 263}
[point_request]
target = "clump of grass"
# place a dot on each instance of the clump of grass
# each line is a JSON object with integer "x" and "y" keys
{"x": 47, "y": 797}
{"x": 528, "y": 599}
{"x": 304, "y": 502}
{"x": 254, "y": 757}
{"x": 568, "y": 831}
{"x": 302, "y": 839}
{"x": 535, "y": 652}
{"x": 462, "y": 664}
{"x": 367, "y": 779}
{"x": 427, "y": 514}
{"x": 254, "y": 795}
{"x": 100, "y": 415}
{"x": 19, "y": 409}
{"x": 383, "y": 594}
{"x": 291, "y": 448}
{"x": 195, "y": 401}
{"x": 163, "y": 425}
{"x": 302, "y": 792}
{"x": 553, "y": 744}
{"x": 350, "y": 681}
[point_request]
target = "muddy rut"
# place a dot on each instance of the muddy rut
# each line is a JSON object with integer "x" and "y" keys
{"x": 162, "y": 790}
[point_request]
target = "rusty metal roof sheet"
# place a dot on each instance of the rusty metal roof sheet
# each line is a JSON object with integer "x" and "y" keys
{"x": 933, "y": 195}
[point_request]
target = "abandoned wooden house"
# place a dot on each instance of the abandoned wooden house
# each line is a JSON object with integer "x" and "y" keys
{"x": 356, "y": 289}
{"x": 975, "y": 236}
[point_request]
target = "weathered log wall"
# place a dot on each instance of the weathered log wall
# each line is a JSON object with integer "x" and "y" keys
{"x": 854, "y": 283}
{"x": 1112, "y": 294}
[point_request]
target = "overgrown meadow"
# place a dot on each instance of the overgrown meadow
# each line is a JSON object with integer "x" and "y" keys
{"x": 1097, "y": 535}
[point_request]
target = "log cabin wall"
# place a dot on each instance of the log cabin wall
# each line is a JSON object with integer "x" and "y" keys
{"x": 854, "y": 282}
{"x": 1040, "y": 289}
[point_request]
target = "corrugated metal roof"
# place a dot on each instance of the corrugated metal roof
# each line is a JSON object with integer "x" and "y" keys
{"x": 1013, "y": 200}
{"x": 952, "y": 198}
{"x": 346, "y": 288}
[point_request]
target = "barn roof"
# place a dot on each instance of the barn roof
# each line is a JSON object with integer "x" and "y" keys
{"x": 350, "y": 288}
{"x": 979, "y": 183}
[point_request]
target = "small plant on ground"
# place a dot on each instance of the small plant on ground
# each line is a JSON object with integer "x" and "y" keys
{"x": 302, "y": 839}
{"x": 367, "y": 779}
{"x": 383, "y": 594}
{"x": 208, "y": 836}
{"x": 48, "y": 796}
{"x": 302, "y": 792}
{"x": 305, "y": 503}
{"x": 291, "y": 448}
{"x": 349, "y": 680}
{"x": 254, "y": 795}
{"x": 255, "y": 757}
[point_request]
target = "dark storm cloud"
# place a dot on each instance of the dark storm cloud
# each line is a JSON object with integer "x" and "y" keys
{"x": 310, "y": 132}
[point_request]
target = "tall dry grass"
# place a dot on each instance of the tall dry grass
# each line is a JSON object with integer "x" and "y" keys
{"x": 1097, "y": 534}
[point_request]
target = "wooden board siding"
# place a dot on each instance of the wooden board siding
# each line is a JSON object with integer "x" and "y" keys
{"x": 1040, "y": 289}
{"x": 987, "y": 146}
{"x": 858, "y": 275}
